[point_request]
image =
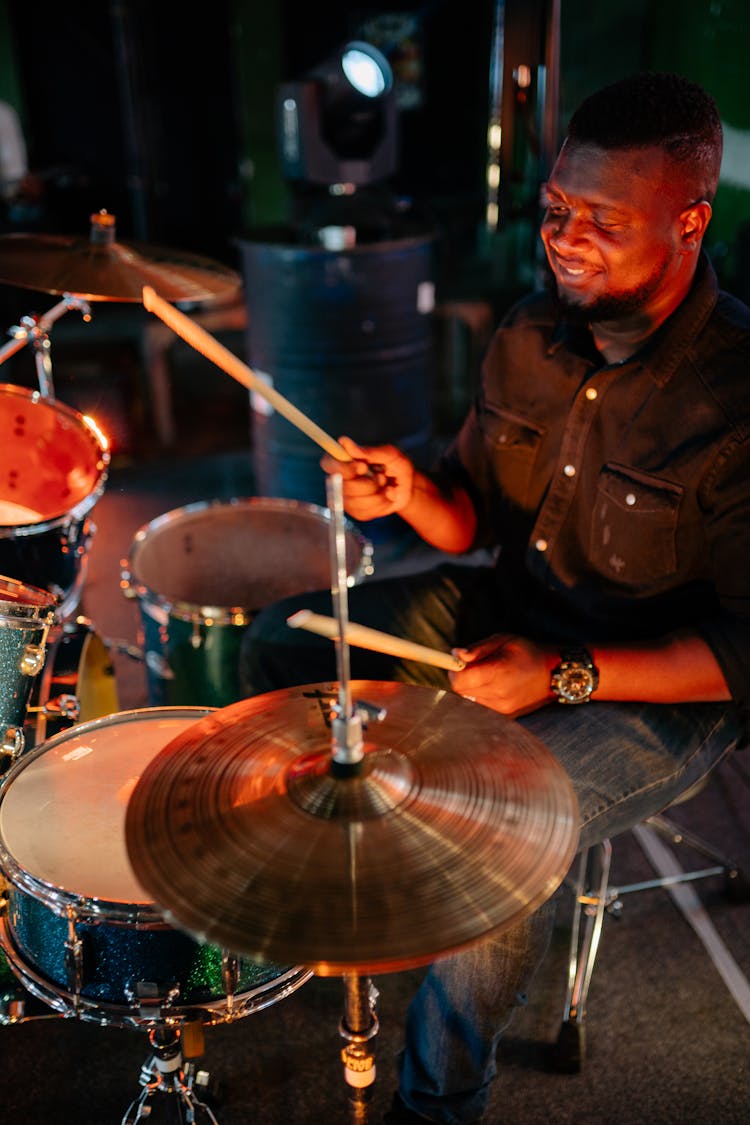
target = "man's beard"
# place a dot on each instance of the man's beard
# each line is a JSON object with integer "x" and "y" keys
{"x": 609, "y": 306}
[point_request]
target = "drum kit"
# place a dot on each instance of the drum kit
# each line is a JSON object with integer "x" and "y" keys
{"x": 187, "y": 864}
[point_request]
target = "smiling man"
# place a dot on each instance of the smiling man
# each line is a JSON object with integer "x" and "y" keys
{"x": 607, "y": 459}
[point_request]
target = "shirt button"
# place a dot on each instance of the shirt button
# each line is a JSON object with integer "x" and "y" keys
{"x": 630, "y": 499}
{"x": 541, "y": 544}
{"x": 570, "y": 470}
{"x": 591, "y": 393}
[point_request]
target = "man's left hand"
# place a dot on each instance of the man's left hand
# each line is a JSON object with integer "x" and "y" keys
{"x": 507, "y": 673}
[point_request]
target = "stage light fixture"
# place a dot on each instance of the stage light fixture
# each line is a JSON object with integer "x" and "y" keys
{"x": 337, "y": 124}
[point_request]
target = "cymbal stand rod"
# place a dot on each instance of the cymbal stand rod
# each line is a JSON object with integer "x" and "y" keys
{"x": 37, "y": 331}
{"x": 347, "y": 724}
{"x": 358, "y": 1028}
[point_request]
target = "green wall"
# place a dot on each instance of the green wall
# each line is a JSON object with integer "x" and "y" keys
{"x": 257, "y": 35}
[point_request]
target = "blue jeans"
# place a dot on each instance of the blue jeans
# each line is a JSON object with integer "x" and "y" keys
{"x": 626, "y": 761}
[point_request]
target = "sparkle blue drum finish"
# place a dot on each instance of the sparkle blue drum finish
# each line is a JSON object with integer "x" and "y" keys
{"x": 200, "y": 574}
{"x": 26, "y": 614}
{"x": 117, "y": 956}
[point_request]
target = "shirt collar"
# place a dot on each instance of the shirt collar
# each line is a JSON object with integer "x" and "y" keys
{"x": 664, "y": 351}
{"x": 676, "y": 336}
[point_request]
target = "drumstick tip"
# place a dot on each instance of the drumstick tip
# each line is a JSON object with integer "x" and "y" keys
{"x": 298, "y": 619}
{"x": 148, "y": 294}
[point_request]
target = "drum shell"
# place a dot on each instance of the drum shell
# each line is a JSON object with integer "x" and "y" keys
{"x": 123, "y": 944}
{"x": 53, "y": 556}
{"x": 116, "y": 956}
{"x": 26, "y": 615}
{"x": 54, "y": 464}
{"x": 243, "y": 554}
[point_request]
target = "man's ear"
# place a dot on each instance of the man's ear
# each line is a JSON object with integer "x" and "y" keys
{"x": 693, "y": 222}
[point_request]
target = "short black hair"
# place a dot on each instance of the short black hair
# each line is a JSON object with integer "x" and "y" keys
{"x": 665, "y": 110}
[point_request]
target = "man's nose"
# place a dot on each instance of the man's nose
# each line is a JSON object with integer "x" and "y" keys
{"x": 567, "y": 232}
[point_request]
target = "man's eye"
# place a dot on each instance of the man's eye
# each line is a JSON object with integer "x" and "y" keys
{"x": 607, "y": 224}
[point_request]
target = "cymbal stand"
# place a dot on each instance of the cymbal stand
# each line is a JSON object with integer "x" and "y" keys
{"x": 163, "y": 1074}
{"x": 358, "y": 1028}
{"x": 36, "y": 330}
{"x": 359, "y": 1024}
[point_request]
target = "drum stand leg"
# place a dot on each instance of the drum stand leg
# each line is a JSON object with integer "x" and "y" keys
{"x": 162, "y": 1074}
{"x": 359, "y": 1027}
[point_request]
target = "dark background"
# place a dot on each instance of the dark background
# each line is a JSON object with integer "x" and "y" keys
{"x": 163, "y": 113}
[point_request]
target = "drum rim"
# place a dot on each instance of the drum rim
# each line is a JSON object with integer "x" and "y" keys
{"x": 56, "y": 898}
{"x": 87, "y": 502}
{"x": 41, "y": 604}
{"x": 135, "y": 587}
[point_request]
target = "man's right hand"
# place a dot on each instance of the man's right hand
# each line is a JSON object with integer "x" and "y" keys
{"x": 378, "y": 481}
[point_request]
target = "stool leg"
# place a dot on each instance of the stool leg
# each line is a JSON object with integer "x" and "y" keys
{"x": 569, "y": 1050}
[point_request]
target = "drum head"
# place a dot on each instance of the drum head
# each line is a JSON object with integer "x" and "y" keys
{"x": 53, "y": 460}
{"x": 239, "y": 554}
{"x": 62, "y": 808}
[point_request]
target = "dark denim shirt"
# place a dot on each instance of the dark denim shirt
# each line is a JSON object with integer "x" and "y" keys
{"x": 619, "y": 494}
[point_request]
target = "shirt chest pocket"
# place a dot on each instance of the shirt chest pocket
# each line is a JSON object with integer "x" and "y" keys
{"x": 634, "y": 526}
{"x": 512, "y": 445}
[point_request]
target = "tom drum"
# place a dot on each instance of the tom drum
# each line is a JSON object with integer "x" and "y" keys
{"x": 200, "y": 574}
{"x": 53, "y": 468}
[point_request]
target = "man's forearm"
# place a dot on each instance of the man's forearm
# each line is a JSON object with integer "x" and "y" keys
{"x": 678, "y": 668}
{"x": 446, "y": 522}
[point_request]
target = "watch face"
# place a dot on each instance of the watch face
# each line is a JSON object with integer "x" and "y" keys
{"x": 575, "y": 677}
{"x": 576, "y": 683}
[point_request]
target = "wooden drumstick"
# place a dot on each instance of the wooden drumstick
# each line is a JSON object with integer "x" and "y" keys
{"x": 210, "y": 347}
{"x": 364, "y": 637}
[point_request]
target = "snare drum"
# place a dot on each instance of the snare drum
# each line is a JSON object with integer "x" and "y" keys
{"x": 53, "y": 468}
{"x": 79, "y": 931}
{"x": 201, "y": 573}
{"x": 26, "y": 615}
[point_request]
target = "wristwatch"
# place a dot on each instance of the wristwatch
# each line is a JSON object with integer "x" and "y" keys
{"x": 575, "y": 677}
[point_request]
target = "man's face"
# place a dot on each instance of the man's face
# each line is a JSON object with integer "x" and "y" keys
{"x": 611, "y": 231}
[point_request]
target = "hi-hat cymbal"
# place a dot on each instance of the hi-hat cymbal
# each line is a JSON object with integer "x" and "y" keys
{"x": 101, "y": 269}
{"x": 460, "y": 823}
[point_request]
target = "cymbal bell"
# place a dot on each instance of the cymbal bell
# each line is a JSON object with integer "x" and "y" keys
{"x": 100, "y": 269}
{"x": 458, "y": 823}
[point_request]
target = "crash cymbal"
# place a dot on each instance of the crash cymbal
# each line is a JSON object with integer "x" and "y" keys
{"x": 101, "y": 269}
{"x": 460, "y": 822}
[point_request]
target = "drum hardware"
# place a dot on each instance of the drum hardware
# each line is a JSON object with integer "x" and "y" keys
{"x": 99, "y": 268}
{"x": 290, "y": 823}
{"x": 13, "y": 743}
{"x": 164, "y": 1072}
{"x": 78, "y": 680}
{"x": 35, "y": 330}
{"x": 62, "y": 706}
